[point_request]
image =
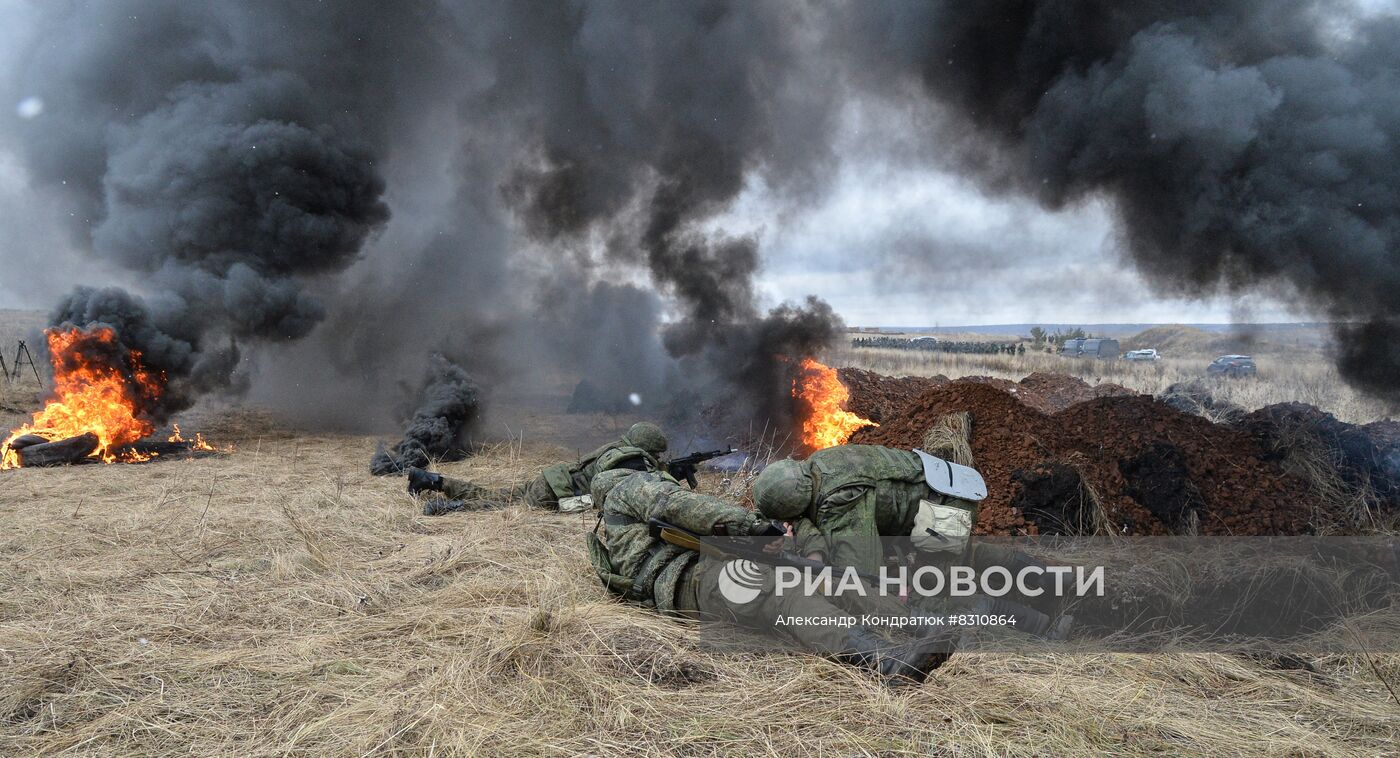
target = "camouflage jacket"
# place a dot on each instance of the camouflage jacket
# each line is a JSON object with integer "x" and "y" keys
{"x": 655, "y": 567}
{"x": 574, "y": 479}
{"x": 859, "y": 492}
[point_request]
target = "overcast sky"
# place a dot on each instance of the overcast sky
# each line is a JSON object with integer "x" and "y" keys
{"x": 915, "y": 248}
{"x": 887, "y": 246}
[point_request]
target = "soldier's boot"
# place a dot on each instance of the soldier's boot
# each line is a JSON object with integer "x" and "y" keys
{"x": 896, "y": 661}
{"x": 423, "y": 481}
{"x": 1028, "y": 620}
{"x": 441, "y": 505}
{"x": 1062, "y": 628}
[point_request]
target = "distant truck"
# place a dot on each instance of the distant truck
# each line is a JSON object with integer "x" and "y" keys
{"x": 1091, "y": 348}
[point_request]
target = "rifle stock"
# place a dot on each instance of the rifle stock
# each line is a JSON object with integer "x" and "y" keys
{"x": 684, "y": 539}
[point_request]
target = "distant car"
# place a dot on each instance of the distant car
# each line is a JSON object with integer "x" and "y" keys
{"x": 1146, "y": 354}
{"x": 1232, "y": 366}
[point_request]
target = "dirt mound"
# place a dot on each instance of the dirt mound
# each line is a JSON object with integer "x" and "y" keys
{"x": 1365, "y": 458}
{"x": 1051, "y": 393}
{"x": 1125, "y": 463}
{"x": 993, "y": 381}
{"x": 1386, "y": 436}
{"x": 1175, "y": 339}
{"x": 1197, "y": 397}
{"x": 877, "y": 397}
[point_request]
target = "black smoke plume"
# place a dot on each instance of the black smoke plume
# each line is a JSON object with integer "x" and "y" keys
{"x": 558, "y": 169}
{"x": 222, "y": 175}
{"x": 1242, "y": 143}
{"x": 240, "y": 160}
{"x": 224, "y": 209}
{"x": 640, "y": 157}
{"x": 440, "y": 427}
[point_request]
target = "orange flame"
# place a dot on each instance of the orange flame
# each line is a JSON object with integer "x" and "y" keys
{"x": 826, "y": 421}
{"x": 99, "y": 387}
{"x": 198, "y": 443}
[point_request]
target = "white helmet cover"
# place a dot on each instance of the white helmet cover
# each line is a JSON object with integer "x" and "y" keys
{"x": 952, "y": 479}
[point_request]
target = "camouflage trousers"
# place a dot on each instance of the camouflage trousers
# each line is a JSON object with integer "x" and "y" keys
{"x": 536, "y": 493}
{"x": 698, "y": 596}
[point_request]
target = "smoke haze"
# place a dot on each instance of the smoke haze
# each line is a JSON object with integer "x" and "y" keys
{"x": 310, "y": 200}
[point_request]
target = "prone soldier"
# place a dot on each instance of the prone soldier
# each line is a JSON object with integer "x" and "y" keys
{"x": 841, "y": 500}
{"x": 562, "y": 486}
{"x": 635, "y": 563}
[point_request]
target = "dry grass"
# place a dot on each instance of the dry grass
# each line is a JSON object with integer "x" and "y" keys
{"x": 1283, "y": 376}
{"x": 280, "y": 601}
{"x": 950, "y": 437}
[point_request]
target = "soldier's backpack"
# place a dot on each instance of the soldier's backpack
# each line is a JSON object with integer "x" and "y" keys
{"x": 560, "y": 479}
{"x": 944, "y": 525}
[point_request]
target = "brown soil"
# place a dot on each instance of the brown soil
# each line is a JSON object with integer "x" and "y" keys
{"x": 1125, "y": 463}
{"x": 1052, "y": 393}
{"x": 877, "y": 397}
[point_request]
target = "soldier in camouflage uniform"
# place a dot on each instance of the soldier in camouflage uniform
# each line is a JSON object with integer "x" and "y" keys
{"x": 562, "y": 486}
{"x": 644, "y": 570}
{"x": 842, "y": 500}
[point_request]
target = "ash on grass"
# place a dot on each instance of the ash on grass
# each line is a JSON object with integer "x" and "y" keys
{"x": 282, "y": 601}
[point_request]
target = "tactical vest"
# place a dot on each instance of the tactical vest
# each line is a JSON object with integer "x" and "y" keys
{"x": 624, "y": 456}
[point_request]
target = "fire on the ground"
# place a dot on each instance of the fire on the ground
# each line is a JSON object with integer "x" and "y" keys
{"x": 101, "y": 389}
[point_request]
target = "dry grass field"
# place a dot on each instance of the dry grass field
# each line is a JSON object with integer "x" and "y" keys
{"x": 14, "y": 326}
{"x": 277, "y": 600}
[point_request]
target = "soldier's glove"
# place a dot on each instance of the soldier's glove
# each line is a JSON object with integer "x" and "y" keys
{"x": 773, "y": 534}
{"x": 769, "y": 529}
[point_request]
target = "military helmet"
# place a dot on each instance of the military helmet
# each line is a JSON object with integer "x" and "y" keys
{"x": 783, "y": 490}
{"x": 647, "y": 436}
{"x": 605, "y": 482}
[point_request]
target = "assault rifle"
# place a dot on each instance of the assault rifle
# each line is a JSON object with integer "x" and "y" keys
{"x": 727, "y": 548}
{"x": 685, "y": 467}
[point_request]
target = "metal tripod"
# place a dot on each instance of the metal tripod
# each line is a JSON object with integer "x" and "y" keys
{"x": 22, "y": 356}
